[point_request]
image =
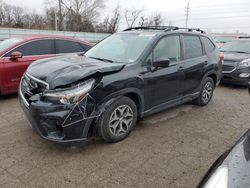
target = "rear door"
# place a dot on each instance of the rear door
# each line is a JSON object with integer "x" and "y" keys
{"x": 164, "y": 84}
{"x": 31, "y": 51}
{"x": 195, "y": 61}
{"x": 68, "y": 47}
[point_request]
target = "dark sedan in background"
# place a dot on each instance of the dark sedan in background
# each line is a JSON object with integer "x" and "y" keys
{"x": 236, "y": 67}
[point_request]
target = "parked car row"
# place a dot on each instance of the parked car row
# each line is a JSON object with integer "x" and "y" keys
{"x": 102, "y": 92}
{"x": 16, "y": 54}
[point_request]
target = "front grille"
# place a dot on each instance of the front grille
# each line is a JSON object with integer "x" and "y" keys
{"x": 31, "y": 87}
{"x": 228, "y": 68}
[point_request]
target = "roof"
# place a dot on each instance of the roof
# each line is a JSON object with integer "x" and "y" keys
{"x": 42, "y": 36}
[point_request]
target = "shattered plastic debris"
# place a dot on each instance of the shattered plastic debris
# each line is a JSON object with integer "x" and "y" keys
{"x": 82, "y": 109}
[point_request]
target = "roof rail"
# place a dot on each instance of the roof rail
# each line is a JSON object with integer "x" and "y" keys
{"x": 243, "y": 37}
{"x": 164, "y": 28}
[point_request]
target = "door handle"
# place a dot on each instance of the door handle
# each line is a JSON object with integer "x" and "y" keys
{"x": 181, "y": 68}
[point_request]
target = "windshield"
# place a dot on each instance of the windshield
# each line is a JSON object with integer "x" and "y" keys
{"x": 240, "y": 46}
{"x": 120, "y": 47}
{"x": 223, "y": 39}
{"x": 9, "y": 42}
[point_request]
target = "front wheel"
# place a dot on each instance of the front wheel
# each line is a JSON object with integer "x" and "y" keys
{"x": 118, "y": 120}
{"x": 206, "y": 93}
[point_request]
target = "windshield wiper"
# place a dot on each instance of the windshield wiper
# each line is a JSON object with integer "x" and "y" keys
{"x": 102, "y": 59}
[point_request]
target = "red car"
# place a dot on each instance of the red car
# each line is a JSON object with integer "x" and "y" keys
{"x": 16, "y": 54}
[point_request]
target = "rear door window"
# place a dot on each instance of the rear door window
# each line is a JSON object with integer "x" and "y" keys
{"x": 209, "y": 46}
{"x": 66, "y": 46}
{"x": 38, "y": 47}
{"x": 192, "y": 46}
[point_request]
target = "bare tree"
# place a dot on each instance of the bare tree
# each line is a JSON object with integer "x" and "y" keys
{"x": 131, "y": 16}
{"x": 142, "y": 21}
{"x": 76, "y": 15}
{"x": 110, "y": 25}
{"x": 83, "y": 11}
{"x": 154, "y": 20}
{"x": 157, "y": 19}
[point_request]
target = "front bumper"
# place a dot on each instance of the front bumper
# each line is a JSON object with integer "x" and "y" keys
{"x": 58, "y": 122}
{"x": 233, "y": 77}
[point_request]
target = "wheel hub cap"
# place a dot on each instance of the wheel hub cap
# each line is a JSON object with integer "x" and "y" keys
{"x": 121, "y": 120}
{"x": 207, "y": 92}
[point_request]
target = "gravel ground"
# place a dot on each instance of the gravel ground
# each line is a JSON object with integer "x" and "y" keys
{"x": 170, "y": 149}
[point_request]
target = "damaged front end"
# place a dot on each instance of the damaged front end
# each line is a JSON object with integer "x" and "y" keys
{"x": 60, "y": 115}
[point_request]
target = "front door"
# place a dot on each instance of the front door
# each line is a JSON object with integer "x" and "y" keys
{"x": 164, "y": 84}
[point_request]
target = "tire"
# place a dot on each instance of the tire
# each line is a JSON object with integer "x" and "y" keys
{"x": 118, "y": 120}
{"x": 206, "y": 92}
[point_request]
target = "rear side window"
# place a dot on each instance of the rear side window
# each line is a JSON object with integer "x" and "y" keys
{"x": 39, "y": 47}
{"x": 192, "y": 46}
{"x": 65, "y": 46}
{"x": 209, "y": 46}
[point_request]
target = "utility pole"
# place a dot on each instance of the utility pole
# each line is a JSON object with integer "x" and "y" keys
{"x": 187, "y": 9}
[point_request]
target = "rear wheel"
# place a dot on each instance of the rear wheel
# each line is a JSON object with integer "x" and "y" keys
{"x": 118, "y": 120}
{"x": 206, "y": 93}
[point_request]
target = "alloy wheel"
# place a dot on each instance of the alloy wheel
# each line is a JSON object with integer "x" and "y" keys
{"x": 121, "y": 120}
{"x": 207, "y": 92}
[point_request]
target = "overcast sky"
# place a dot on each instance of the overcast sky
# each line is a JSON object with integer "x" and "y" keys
{"x": 215, "y": 15}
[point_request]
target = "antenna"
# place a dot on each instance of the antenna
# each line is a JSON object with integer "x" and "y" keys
{"x": 187, "y": 9}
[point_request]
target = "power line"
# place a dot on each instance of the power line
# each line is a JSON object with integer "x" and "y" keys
{"x": 228, "y": 17}
{"x": 213, "y": 6}
{"x": 220, "y": 12}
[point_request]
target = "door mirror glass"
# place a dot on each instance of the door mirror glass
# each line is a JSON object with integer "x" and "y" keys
{"x": 161, "y": 62}
{"x": 15, "y": 55}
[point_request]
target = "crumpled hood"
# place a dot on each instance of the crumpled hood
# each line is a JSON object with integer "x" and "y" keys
{"x": 236, "y": 57}
{"x": 65, "y": 70}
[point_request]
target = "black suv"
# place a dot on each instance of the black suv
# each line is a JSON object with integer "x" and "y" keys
{"x": 129, "y": 75}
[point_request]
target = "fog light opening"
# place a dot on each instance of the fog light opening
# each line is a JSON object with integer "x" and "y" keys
{"x": 244, "y": 75}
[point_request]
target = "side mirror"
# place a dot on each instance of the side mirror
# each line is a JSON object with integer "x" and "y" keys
{"x": 15, "y": 55}
{"x": 162, "y": 63}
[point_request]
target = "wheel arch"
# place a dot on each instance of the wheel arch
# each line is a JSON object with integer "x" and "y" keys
{"x": 212, "y": 74}
{"x": 133, "y": 93}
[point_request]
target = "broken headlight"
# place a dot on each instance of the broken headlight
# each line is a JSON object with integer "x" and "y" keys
{"x": 71, "y": 95}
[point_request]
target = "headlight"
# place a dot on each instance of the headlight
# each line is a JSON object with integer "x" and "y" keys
{"x": 72, "y": 95}
{"x": 245, "y": 63}
{"x": 219, "y": 179}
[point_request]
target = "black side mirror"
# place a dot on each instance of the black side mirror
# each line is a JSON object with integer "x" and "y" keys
{"x": 15, "y": 55}
{"x": 161, "y": 63}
